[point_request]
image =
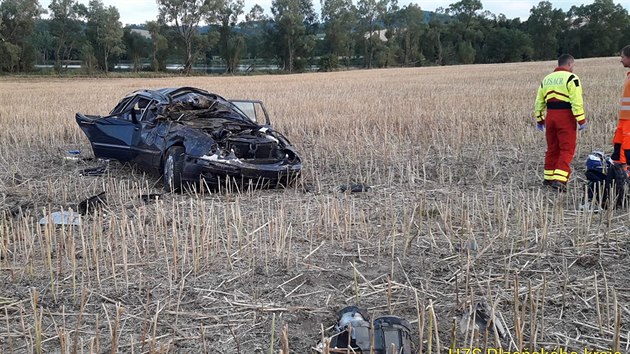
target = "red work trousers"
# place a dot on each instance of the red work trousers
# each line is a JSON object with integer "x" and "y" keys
{"x": 560, "y": 127}
{"x": 621, "y": 142}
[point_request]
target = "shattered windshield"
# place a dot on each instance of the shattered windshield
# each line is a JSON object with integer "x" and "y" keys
{"x": 206, "y": 106}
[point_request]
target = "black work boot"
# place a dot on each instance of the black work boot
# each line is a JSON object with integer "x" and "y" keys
{"x": 559, "y": 186}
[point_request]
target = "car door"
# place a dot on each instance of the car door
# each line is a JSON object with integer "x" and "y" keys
{"x": 114, "y": 136}
{"x": 254, "y": 110}
{"x": 150, "y": 142}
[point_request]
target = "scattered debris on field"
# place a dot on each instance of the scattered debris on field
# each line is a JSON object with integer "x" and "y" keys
{"x": 62, "y": 218}
{"x": 483, "y": 317}
{"x": 96, "y": 171}
{"x": 148, "y": 198}
{"x": 355, "y": 333}
{"x": 354, "y": 188}
{"x": 92, "y": 204}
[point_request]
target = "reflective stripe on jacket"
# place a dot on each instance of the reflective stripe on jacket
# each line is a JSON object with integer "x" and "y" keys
{"x": 560, "y": 90}
{"x": 624, "y": 109}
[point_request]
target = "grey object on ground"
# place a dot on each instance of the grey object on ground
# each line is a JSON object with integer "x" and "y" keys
{"x": 62, "y": 218}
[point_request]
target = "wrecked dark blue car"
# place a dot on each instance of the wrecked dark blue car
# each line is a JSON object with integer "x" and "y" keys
{"x": 191, "y": 135}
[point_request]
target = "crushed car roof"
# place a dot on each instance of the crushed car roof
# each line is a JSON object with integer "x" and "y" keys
{"x": 164, "y": 95}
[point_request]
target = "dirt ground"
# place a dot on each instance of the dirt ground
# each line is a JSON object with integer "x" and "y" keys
{"x": 394, "y": 249}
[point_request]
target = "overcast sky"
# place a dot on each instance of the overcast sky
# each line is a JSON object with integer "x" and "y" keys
{"x": 140, "y": 11}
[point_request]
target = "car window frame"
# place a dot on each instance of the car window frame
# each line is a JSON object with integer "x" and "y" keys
{"x": 146, "y": 110}
{"x": 253, "y": 102}
{"x": 143, "y": 111}
{"x": 126, "y": 115}
{"x": 218, "y": 100}
{"x": 122, "y": 104}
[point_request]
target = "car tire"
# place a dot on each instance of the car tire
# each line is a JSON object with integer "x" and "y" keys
{"x": 173, "y": 169}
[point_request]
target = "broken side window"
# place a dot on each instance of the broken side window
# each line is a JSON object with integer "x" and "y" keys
{"x": 135, "y": 107}
{"x": 120, "y": 106}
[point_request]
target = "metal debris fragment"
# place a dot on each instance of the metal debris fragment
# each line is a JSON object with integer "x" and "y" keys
{"x": 62, "y": 218}
{"x": 354, "y": 188}
{"x": 96, "y": 171}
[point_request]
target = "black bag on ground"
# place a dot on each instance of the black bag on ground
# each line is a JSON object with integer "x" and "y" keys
{"x": 354, "y": 330}
{"x": 607, "y": 182}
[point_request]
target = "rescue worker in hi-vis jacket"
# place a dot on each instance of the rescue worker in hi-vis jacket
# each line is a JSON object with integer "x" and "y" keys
{"x": 560, "y": 94}
{"x": 621, "y": 140}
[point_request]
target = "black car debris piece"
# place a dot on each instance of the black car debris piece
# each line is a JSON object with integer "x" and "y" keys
{"x": 188, "y": 134}
{"x": 148, "y": 198}
{"x": 95, "y": 171}
{"x": 354, "y": 188}
{"x": 92, "y": 204}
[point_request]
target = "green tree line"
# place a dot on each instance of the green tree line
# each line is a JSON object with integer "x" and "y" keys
{"x": 370, "y": 33}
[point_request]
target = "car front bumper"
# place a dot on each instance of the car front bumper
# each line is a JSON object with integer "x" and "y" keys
{"x": 215, "y": 172}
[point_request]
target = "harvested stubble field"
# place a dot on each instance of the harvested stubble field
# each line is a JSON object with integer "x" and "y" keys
{"x": 456, "y": 215}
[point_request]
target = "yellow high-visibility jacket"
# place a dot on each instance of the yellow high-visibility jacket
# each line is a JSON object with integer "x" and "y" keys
{"x": 560, "y": 90}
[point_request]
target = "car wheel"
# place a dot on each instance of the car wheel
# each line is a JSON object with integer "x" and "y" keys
{"x": 173, "y": 169}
